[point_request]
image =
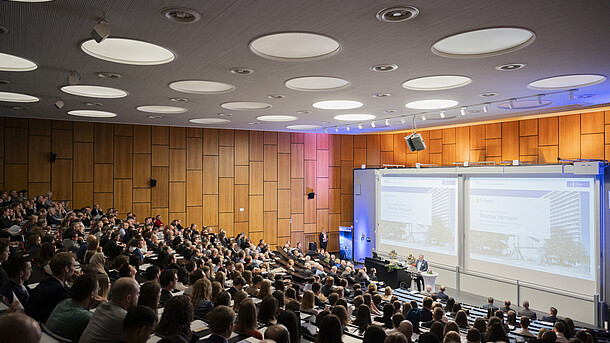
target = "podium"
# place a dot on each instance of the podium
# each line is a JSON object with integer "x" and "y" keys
{"x": 391, "y": 278}
{"x": 429, "y": 279}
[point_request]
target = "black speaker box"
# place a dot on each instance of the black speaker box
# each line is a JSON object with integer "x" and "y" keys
{"x": 415, "y": 142}
{"x": 53, "y": 157}
{"x": 153, "y": 183}
{"x": 311, "y": 195}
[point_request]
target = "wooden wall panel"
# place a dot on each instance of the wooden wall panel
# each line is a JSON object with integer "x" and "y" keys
{"x": 177, "y": 196}
{"x": 16, "y": 176}
{"x": 448, "y": 154}
{"x": 242, "y": 175}
{"x": 296, "y": 161}
{"x": 103, "y": 143}
{"x": 123, "y": 196}
{"x": 373, "y": 156}
{"x": 592, "y": 146}
{"x": 462, "y": 144}
{"x": 82, "y": 194}
{"x": 39, "y": 159}
{"x": 160, "y": 192}
{"x": 569, "y": 136}
{"x": 160, "y": 135}
{"x": 322, "y": 141}
{"x": 105, "y": 200}
{"x": 177, "y": 165}
{"x": 194, "y": 188}
{"x": 256, "y": 146}
{"x": 270, "y": 228}
{"x": 61, "y": 180}
{"x": 270, "y": 163}
{"x": 122, "y": 157}
{"x": 283, "y": 142}
{"x": 322, "y": 163}
{"x": 322, "y": 193}
{"x": 62, "y": 143}
{"x": 141, "y": 195}
{"x": 194, "y": 215}
{"x": 141, "y": 170}
{"x": 493, "y": 131}
{"x": 39, "y": 127}
{"x": 592, "y": 122}
{"x": 477, "y": 137}
{"x": 226, "y": 157}
{"x": 256, "y": 178}
{"x": 142, "y": 210}
{"x": 242, "y": 207}
{"x": 210, "y": 174}
{"x": 177, "y": 138}
{"x": 123, "y": 130}
{"x": 225, "y": 194}
{"x": 283, "y": 171}
{"x": 226, "y": 222}
{"x": 83, "y": 132}
{"x": 194, "y": 153}
{"x": 359, "y": 157}
{"x": 400, "y": 149}
{"x": 226, "y": 138}
{"x": 242, "y": 148}
{"x": 334, "y": 150}
{"x": 103, "y": 177}
{"x": 296, "y": 196}
{"x": 142, "y": 139}
{"x": 269, "y": 137}
{"x": 347, "y": 147}
{"x": 270, "y": 196}
{"x": 83, "y": 163}
{"x": 210, "y": 210}
{"x": 528, "y": 145}
{"x": 256, "y": 217}
{"x": 160, "y": 156}
{"x": 528, "y": 127}
{"x": 548, "y": 131}
{"x": 210, "y": 142}
{"x": 510, "y": 141}
{"x": 283, "y": 203}
{"x": 310, "y": 146}
{"x": 16, "y": 145}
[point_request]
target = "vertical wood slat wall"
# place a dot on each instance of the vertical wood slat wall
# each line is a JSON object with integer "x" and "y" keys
{"x": 254, "y": 181}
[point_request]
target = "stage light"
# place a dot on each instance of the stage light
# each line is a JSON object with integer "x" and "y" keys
{"x": 325, "y": 130}
{"x": 423, "y": 117}
{"x": 359, "y": 126}
{"x": 387, "y": 122}
{"x": 336, "y": 129}
{"x": 443, "y": 114}
{"x": 539, "y": 99}
{"x": 347, "y": 128}
{"x": 403, "y": 120}
{"x": 100, "y": 31}
{"x": 372, "y": 124}
{"x": 73, "y": 78}
{"x": 571, "y": 95}
{"x": 486, "y": 107}
{"x": 463, "y": 111}
{"x": 59, "y": 103}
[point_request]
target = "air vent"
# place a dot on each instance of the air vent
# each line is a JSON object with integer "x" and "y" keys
{"x": 488, "y": 94}
{"x": 384, "y": 68}
{"x": 179, "y": 99}
{"x": 240, "y": 71}
{"x": 180, "y": 15}
{"x": 276, "y": 96}
{"x": 511, "y": 66}
{"x": 154, "y": 116}
{"x": 20, "y": 108}
{"x": 94, "y": 104}
{"x": 3, "y": 30}
{"x": 107, "y": 75}
{"x": 397, "y": 14}
{"x": 381, "y": 95}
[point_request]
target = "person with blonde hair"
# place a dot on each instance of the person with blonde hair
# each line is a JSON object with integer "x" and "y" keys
{"x": 201, "y": 298}
{"x": 308, "y": 302}
{"x": 240, "y": 296}
{"x": 246, "y": 320}
{"x": 265, "y": 289}
{"x": 97, "y": 263}
{"x": 387, "y": 293}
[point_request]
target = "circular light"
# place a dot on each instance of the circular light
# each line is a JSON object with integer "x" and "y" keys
{"x": 17, "y": 97}
{"x": 276, "y": 118}
{"x": 302, "y": 127}
{"x": 384, "y": 68}
{"x": 245, "y": 106}
{"x": 294, "y": 46}
{"x": 209, "y": 121}
{"x": 316, "y": 83}
{"x": 436, "y": 83}
{"x": 489, "y": 94}
{"x": 91, "y": 114}
{"x": 511, "y": 66}
{"x": 15, "y": 63}
{"x": 127, "y": 51}
{"x": 524, "y": 104}
{"x": 94, "y": 91}
{"x": 337, "y": 104}
{"x": 354, "y": 117}
{"x": 432, "y": 104}
{"x": 161, "y": 109}
{"x": 484, "y": 42}
{"x": 397, "y": 14}
{"x": 567, "y": 81}
{"x": 201, "y": 87}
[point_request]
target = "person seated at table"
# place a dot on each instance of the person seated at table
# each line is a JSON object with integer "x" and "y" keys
{"x": 138, "y": 325}
{"x": 221, "y": 325}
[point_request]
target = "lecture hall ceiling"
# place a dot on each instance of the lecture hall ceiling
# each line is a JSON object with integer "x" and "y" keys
{"x": 281, "y": 65}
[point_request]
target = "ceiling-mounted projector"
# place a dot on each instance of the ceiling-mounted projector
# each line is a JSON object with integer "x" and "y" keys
{"x": 415, "y": 142}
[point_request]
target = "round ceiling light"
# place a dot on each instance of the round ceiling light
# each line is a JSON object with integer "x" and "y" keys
{"x": 397, "y": 14}
{"x": 337, "y": 104}
{"x": 511, "y": 66}
{"x": 316, "y": 83}
{"x": 294, "y": 46}
{"x": 303, "y": 127}
{"x": 484, "y": 42}
{"x": 524, "y": 104}
{"x": 209, "y": 121}
{"x": 161, "y": 109}
{"x": 437, "y": 82}
{"x": 245, "y": 106}
{"x": 201, "y": 87}
{"x": 17, "y": 97}
{"x": 567, "y": 81}
{"x": 91, "y": 114}
{"x": 94, "y": 91}
{"x": 433, "y": 104}
{"x": 276, "y": 118}
{"x": 240, "y": 71}
{"x": 128, "y": 51}
{"x": 384, "y": 68}
{"x": 15, "y": 63}
{"x": 354, "y": 117}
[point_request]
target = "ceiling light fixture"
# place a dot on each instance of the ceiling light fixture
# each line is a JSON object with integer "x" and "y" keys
{"x": 437, "y": 82}
{"x": 486, "y": 107}
{"x": 381, "y": 95}
{"x": 209, "y": 121}
{"x": 511, "y": 103}
{"x": 240, "y": 71}
{"x": 94, "y": 104}
{"x": 201, "y": 87}
{"x": 511, "y": 66}
{"x": 359, "y": 126}
{"x": 276, "y": 118}
{"x": 423, "y": 117}
{"x": 337, "y": 104}
{"x": 91, "y": 114}
{"x": 303, "y": 112}
{"x": 181, "y": 15}
{"x": 225, "y": 114}
{"x": 384, "y": 68}
{"x": 463, "y": 110}
{"x": 389, "y": 111}
{"x": 372, "y": 124}
{"x": 17, "y": 97}
{"x": 484, "y": 42}
{"x": 276, "y": 96}
{"x": 101, "y": 31}
{"x": 403, "y": 120}
{"x": 59, "y": 103}
{"x": 387, "y": 122}
{"x": 432, "y": 104}
{"x": 128, "y": 51}
{"x": 442, "y": 114}
{"x": 336, "y": 129}
{"x": 294, "y": 46}
{"x": 73, "y": 78}
{"x": 245, "y": 105}
{"x": 347, "y": 128}
{"x": 397, "y": 14}
{"x": 154, "y": 116}
{"x": 302, "y": 127}
{"x": 94, "y": 91}
{"x": 108, "y": 75}
{"x": 178, "y": 99}
{"x": 567, "y": 81}
{"x": 354, "y": 117}
{"x": 15, "y": 63}
{"x": 316, "y": 83}
{"x": 161, "y": 109}
{"x": 489, "y": 94}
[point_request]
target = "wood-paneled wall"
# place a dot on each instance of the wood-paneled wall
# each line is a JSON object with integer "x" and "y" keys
{"x": 254, "y": 181}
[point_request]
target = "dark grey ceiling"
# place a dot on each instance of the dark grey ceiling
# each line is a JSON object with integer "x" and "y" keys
{"x": 572, "y": 37}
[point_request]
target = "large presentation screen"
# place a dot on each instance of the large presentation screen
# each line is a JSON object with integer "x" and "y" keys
{"x": 543, "y": 225}
{"x": 418, "y": 215}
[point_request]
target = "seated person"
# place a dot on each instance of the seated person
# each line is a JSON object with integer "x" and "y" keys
{"x": 221, "y": 325}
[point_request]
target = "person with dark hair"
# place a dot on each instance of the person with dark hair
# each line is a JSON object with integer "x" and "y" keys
{"x": 552, "y": 317}
{"x": 247, "y": 319}
{"x": 374, "y": 334}
{"x": 149, "y": 295}
{"x": 495, "y": 331}
{"x": 71, "y": 316}
{"x": 397, "y": 318}
{"x": 428, "y": 337}
{"x": 461, "y": 319}
{"x": 278, "y": 333}
{"x": 139, "y": 324}
{"x": 330, "y": 330}
{"x": 426, "y": 311}
{"x": 176, "y": 318}
{"x": 153, "y": 273}
{"x": 238, "y": 285}
{"x": 267, "y": 310}
{"x": 437, "y": 329}
{"x": 363, "y": 317}
{"x": 252, "y": 290}
{"x": 560, "y": 328}
{"x": 452, "y": 337}
{"x": 549, "y": 336}
{"x": 221, "y": 325}
{"x": 386, "y": 319}
{"x": 490, "y": 304}
{"x": 293, "y": 323}
{"x": 437, "y": 317}
{"x": 168, "y": 280}
{"x": 53, "y": 290}
{"x": 18, "y": 270}
{"x": 480, "y": 324}
{"x": 524, "y": 331}
{"x": 106, "y": 324}
{"x": 473, "y": 336}
{"x": 223, "y": 298}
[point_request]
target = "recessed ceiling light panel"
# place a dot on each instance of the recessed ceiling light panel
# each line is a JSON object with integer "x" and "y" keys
{"x": 91, "y": 114}
{"x": 294, "y": 46}
{"x": 128, "y": 51}
{"x": 524, "y": 104}
{"x": 384, "y": 68}
{"x": 94, "y": 91}
{"x": 433, "y": 104}
{"x": 201, "y": 87}
{"x": 437, "y": 82}
{"x": 567, "y": 81}
{"x": 489, "y": 94}
{"x": 181, "y": 15}
{"x": 17, "y": 97}
{"x": 240, "y": 71}
{"x": 354, "y": 117}
{"x": 276, "y": 118}
{"x": 108, "y": 75}
{"x": 245, "y": 106}
{"x": 484, "y": 42}
{"x": 209, "y": 121}
{"x": 316, "y": 83}
{"x": 161, "y": 109}
{"x": 15, "y": 63}
{"x": 397, "y": 14}
{"x": 511, "y": 66}
{"x": 303, "y": 127}
{"x": 337, "y": 104}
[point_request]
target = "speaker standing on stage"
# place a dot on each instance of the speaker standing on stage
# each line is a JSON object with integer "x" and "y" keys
{"x": 323, "y": 239}
{"x": 422, "y": 266}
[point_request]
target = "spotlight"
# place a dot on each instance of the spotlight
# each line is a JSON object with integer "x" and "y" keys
{"x": 100, "y": 31}
{"x": 486, "y": 107}
{"x": 403, "y": 120}
{"x": 511, "y": 104}
{"x": 325, "y": 130}
{"x": 359, "y": 126}
{"x": 387, "y": 122}
{"x": 337, "y": 129}
{"x": 442, "y": 114}
{"x": 423, "y": 117}
{"x": 59, "y": 103}
{"x": 347, "y": 128}
{"x": 73, "y": 78}
{"x": 571, "y": 95}
{"x": 463, "y": 111}
{"x": 372, "y": 124}
{"x": 540, "y": 99}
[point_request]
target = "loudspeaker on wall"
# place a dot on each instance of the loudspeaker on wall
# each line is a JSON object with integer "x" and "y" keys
{"x": 153, "y": 183}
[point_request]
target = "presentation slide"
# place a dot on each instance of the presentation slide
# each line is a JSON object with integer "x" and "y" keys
{"x": 418, "y": 214}
{"x": 541, "y": 224}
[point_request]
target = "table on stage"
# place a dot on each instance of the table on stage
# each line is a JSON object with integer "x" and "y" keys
{"x": 429, "y": 279}
{"x": 391, "y": 278}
